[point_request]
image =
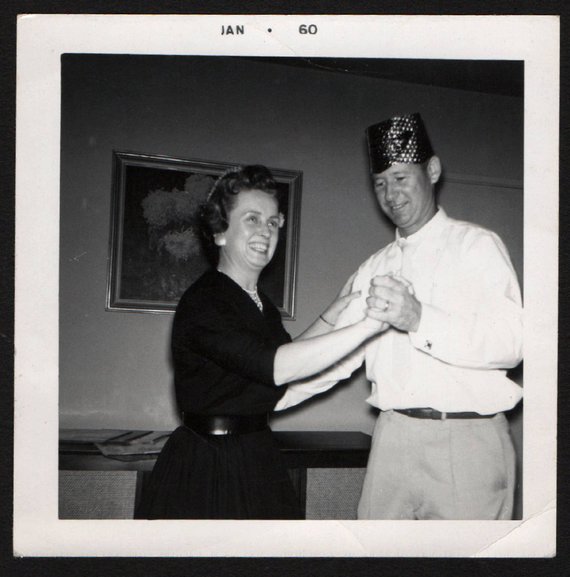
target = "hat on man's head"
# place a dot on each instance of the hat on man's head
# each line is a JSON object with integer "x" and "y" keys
{"x": 398, "y": 139}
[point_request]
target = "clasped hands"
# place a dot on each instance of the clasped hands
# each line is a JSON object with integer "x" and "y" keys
{"x": 391, "y": 300}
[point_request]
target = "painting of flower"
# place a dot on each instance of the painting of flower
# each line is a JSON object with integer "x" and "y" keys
{"x": 156, "y": 245}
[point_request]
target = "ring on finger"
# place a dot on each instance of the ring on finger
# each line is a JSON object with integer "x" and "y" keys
{"x": 386, "y": 306}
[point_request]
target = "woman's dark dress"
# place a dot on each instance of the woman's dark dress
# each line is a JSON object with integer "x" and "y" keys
{"x": 223, "y": 349}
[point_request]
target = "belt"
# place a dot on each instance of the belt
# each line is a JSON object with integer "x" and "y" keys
{"x": 226, "y": 424}
{"x": 439, "y": 416}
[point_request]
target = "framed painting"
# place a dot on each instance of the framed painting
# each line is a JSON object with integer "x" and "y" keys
{"x": 155, "y": 248}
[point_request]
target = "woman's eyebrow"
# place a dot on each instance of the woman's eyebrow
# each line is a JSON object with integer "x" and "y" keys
{"x": 253, "y": 211}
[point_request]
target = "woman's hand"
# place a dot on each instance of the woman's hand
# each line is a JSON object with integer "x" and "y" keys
{"x": 325, "y": 323}
{"x": 344, "y": 297}
{"x": 373, "y": 322}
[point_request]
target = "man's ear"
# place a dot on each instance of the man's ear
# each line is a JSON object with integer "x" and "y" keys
{"x": 434, "y": 169}
{"x": 220, "y": 239}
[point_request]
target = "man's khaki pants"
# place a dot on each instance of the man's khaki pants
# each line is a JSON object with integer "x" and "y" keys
{"x": 430, "y": 469}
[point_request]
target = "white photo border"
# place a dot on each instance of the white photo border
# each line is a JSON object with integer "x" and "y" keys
{"x": 42, "y": 39}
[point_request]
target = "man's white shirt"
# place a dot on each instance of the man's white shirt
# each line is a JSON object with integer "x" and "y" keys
{"x": 470, "y": 330}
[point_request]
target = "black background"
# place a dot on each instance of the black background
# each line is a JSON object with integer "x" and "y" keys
{"x": 222, "y": 567}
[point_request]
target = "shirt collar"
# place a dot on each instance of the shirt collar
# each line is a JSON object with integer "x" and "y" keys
{"x": 433, "y": 226}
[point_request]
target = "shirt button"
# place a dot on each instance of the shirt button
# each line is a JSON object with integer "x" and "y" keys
{"x": 427, "y": 345}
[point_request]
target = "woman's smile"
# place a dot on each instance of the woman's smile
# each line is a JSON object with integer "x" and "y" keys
{"x": 259, "y": 247}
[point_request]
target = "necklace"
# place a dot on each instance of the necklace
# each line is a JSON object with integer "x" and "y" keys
{"x": 255, "y": 297}
{"x": 252, "y": 293}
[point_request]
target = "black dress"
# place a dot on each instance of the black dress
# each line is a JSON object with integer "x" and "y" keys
{"x": 223, "y": 349}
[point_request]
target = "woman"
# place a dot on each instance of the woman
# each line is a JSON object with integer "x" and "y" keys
{"x": 232, "y": 357}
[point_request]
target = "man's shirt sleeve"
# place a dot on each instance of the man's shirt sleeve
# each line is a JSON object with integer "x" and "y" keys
{"x": 481, "y": 324}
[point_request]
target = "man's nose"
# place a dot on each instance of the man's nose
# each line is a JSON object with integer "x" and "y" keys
{"x": 390, "y": 192}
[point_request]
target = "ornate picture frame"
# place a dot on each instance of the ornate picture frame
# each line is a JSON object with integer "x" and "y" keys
{"x": 155, "y": 249}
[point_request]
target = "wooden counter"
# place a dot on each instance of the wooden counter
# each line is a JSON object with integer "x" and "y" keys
{"x": 302, "y": 450}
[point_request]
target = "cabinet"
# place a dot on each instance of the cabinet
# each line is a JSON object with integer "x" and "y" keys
{"x": 327, "y": 469}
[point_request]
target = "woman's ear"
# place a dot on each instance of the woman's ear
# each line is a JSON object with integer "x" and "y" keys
{"x": 220, "y": 239}
{"x": 434, "y": 169}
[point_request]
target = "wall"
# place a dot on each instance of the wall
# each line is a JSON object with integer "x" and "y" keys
{"x": 114, "y": 366}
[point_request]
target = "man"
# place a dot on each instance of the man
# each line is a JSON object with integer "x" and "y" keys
{"x": 441, "y": 447}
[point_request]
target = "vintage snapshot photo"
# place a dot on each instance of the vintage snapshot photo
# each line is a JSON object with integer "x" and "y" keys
{"x": 286, "y": 286}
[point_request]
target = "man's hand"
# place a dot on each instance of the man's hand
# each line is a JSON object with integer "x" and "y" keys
{"x": 391, "y": 299}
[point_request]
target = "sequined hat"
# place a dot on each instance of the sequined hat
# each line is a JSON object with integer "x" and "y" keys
{"x": 398, "y": 139}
